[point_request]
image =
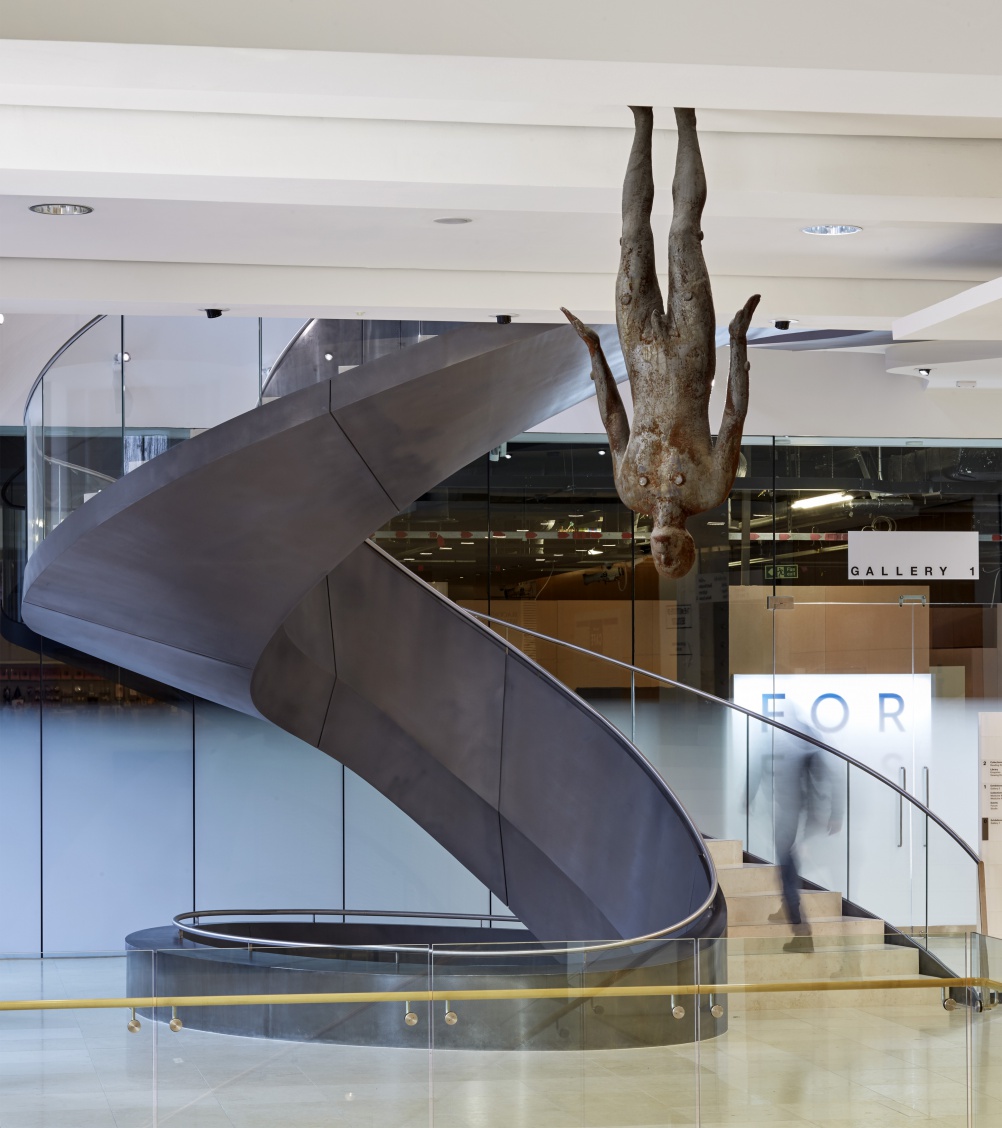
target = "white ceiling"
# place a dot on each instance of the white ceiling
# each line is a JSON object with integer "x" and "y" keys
{"x": 291, "y": 159}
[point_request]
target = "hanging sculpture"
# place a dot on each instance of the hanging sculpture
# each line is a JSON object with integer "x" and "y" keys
{"x": 666, "y": 465}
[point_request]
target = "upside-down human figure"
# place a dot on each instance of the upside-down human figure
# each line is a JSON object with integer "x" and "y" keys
{"x": 666, "y": 464}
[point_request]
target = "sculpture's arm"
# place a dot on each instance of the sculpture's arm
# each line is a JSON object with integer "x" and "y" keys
{"x": 638, "y": 293}
{"x": 727, "y": 450}
{"x": 610, "y": 405}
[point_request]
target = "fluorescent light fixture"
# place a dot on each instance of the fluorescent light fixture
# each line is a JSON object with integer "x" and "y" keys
{"x": 820, "y": 500}
{"x": 594, "y": 552}
{"x": 575, "y": 514}
{"x": 521, "y": 530}
{"x": 425, "y": 554}
{"x": 466, "y": 542}
{"x": 1, "y": 319}
{"x": 445, "y": 548}
{"x": 557, "y": 554}
{"x": 60, "y": 209}
{"x": 831, "y": 229}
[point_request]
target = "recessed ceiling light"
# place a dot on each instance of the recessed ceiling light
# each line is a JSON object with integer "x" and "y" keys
{"x": 601, "y": 452}
{"x": 454, "y": 219}
{"x": 61, "y": 209}
{"x": 925, "y": 371}
{"x": 328, "y": 356}
{"x": 831, "y": 229}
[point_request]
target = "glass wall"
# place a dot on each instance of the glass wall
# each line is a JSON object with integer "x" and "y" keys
{"x": 895, "y": 673}
{"x": 899, "y": 674}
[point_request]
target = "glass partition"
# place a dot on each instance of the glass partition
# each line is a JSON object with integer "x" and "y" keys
{"x": 121, "y": 392}
{"x": 680, "y": 1032}
{"x": 849, "y": 1034}
{"x": 985, "y": 1098}
{"x": 74, "y": 425}
{"x": 835, "y": 824}
{"x": 91, "y": 1064}
{"x": 550, "y": 1014}
{"x": 185, "y": 375}
{"x": 347, "y": 1044}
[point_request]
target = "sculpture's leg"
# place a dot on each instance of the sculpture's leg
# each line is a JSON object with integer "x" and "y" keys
{"x": 690, "y": 303}
{"x": 638, "y": 295}
{"x": 610, "y": 404}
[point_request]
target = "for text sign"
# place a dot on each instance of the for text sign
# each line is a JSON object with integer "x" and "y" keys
{"x": 913, "y": 556}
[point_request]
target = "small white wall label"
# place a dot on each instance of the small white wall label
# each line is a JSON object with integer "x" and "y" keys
{"x": 913, "y": 556}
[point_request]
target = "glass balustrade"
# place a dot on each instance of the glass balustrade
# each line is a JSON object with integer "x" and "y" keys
{"x": 124, "y": 390}
{"x": 679, "y": 1032}
{"x": 831, "y": 813}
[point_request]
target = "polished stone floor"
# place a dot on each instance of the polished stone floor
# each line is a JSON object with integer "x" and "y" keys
{"x": 831, "y": 1067}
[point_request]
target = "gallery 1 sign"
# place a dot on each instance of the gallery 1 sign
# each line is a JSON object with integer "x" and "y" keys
{"x": 913, "y": 556}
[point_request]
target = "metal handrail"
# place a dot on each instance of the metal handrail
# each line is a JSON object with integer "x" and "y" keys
{"x": 209, "y": 934}
{"x": 305, "y": 327}
{"x": 748, "y": 713}
{"x": 55, "y": 356}
{"x": 78, "y": 469}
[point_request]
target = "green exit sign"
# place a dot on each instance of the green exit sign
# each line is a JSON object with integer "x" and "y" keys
{"x": 782, "y": 571}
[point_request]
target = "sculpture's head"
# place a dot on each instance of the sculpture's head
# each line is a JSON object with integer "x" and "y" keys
{"x": 673, "y": 550}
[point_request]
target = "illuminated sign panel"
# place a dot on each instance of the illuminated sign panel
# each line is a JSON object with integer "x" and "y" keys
{"x": 913, "y": 556}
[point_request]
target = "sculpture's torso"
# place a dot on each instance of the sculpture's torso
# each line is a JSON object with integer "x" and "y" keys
{"x": 668, "y": 463}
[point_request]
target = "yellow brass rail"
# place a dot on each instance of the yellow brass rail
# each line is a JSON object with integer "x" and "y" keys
{"x": 488, "y": 995}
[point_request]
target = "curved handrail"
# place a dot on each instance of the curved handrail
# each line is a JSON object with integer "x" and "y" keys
{"x": 210, "y": 934}
{"x": 305, "y": 327}
{"x": 748, "y": 713}
{"x": 55, "y": 356}
{"x": 481, "y": 950}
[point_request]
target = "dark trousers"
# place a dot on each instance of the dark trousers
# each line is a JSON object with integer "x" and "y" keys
{"x": 787, "y": 858}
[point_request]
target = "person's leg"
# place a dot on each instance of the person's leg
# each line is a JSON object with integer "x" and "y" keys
{"x": 791, "y": 886}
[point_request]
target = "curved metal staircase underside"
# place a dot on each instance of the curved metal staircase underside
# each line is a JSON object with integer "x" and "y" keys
{"x": 235, "y": 567}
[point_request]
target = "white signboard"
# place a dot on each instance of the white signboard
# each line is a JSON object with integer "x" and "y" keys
{"x": 881, "y": 719}
{"x": 913, "y": 556}
{"x": 991, "y": 795}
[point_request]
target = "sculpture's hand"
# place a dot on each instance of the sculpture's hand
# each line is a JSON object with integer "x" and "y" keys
{"x": 585, "y": 332}
{"x": 742, "y": 319}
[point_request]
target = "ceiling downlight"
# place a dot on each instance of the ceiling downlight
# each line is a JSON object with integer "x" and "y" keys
{"x": 831, "y": 229}
{"x": 60, "y": 209}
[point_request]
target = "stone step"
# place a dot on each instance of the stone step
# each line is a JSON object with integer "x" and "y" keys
{"x": 881, "y": 961}
{"x": 735, "y": 880}
{"x": 725, "y": 851}
{"x": 834, "y": 931}
{"x": 756, "y": 908}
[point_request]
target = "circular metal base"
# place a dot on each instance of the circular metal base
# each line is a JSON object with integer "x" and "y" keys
{"x": 180, "y": 967}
